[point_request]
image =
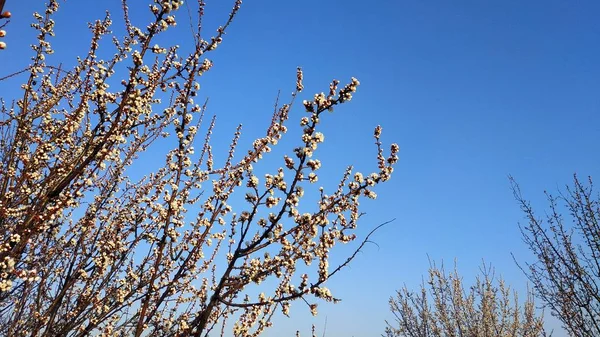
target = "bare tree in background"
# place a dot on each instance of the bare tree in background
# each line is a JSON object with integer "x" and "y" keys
{"x": 86, "y": 250}
{"x": 566, "y": 243}
{"x": 446, "y": 307}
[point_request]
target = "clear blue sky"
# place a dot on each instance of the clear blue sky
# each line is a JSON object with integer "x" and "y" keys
{"x": 472, "y": 91}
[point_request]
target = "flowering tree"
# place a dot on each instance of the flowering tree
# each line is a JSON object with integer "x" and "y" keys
{"x": 566, "y": 275}
{"x": 86, "y": 250}
{"x": 444, "y": 307}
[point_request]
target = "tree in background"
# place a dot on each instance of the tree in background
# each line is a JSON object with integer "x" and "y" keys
{"x": 86, "y": 250}
{"x": 444, "y": 307}
{"x": 566, "y": 243}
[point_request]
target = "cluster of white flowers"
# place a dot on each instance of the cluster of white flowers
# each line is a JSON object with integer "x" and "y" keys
{"x": 3, "y": 15}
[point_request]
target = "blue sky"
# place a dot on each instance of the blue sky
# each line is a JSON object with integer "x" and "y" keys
{"x": 472, "y": 91}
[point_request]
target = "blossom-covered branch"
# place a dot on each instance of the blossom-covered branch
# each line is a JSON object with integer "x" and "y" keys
{"x": 194, "y": 246}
